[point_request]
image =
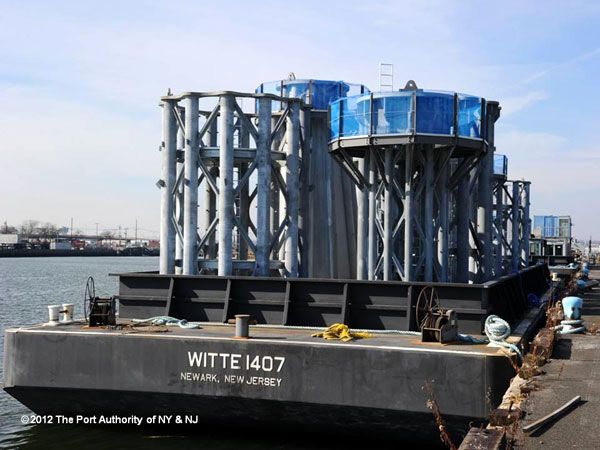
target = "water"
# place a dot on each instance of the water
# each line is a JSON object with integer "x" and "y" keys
{"x": 27, "y": 286}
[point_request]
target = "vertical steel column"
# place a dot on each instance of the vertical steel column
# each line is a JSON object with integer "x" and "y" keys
{"x": 305, "y": 220}
{"x": 388, "y": 249}
{"x": 210, "y": 197}
{"x": 515, "y": 219}
{"x": 169, "y": 152}
{"x": 190, "y": 191}
{"x": 428, "y": 225}
{"x": 179, "y": 199}
{"x": 408, "y": 214}
{"x": 292, "y": 150}
{"x": 462, "y": 230}
{"x": 244, "y": 142}
{"x": 499, "y": 229}
{"x": 484, "y": 213}
{"x": 263, "y": 185}
{"x": 526, "y": 223}
{"x": 362, "y": 231}
{"x": 275, "y": 194}
{"x": 225, "y": 263}
{"x": 474, "y": 263}
{"x": 443, "y": 253}
{"x": 372, "y": 244}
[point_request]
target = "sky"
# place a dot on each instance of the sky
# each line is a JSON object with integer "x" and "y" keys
{"x": 80, "y": 82}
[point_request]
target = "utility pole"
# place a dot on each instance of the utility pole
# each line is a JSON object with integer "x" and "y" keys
{"x": 96, "y": 229}
{"x": 71, "y": 228}
{"x": 136, "y": 231}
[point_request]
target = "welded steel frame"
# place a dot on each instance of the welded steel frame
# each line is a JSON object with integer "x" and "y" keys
{"x": 408, "y": 181}
{"x": 512, "y": 225}
{"x": 218, "y": 151}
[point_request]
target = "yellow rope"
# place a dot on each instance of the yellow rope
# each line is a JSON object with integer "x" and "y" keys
{"x": 341, "y": 332}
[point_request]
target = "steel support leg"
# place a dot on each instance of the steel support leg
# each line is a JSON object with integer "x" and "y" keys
{"x": 292, "y": 149}
{"x": 263, "y": 185}
{"x": 462, "y": 230}
{"x": 443, "y": 253}
{"x": 515, "y": 220}
{"x": 484, "y": 214}
{"x": 526, "y": 224}
{"x": 429, "y": 225}
{"x": 362, "y": 231}
{"x": 225, "y": 264}
{"x": 179, "y": 201}
{"x": 167, "y": 205}
{"x": 388, "y": 250}
{"x": 408, "y": 215}
{"x": 372, "y": 244}
{"x": 190, "y": 210}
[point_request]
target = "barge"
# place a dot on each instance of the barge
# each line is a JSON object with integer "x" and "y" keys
{"x": 321, "y": 208}
{"x": 281, "y": 376}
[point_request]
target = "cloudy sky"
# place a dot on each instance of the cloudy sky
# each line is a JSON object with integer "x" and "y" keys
{"x": 80, "y": 82}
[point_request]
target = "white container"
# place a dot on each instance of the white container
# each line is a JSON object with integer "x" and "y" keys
{"x": 67, "y": 312}
{"x": 53, "y": 311}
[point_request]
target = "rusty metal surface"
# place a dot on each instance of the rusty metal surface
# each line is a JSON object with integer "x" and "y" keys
{"x": 483, "y": 439}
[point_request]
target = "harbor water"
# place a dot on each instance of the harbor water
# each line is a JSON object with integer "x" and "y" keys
{"x": 27, "y": 286}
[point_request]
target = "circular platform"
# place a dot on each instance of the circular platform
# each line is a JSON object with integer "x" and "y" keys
{"x": 406, "y": 116}
{"x": 317, "y": 93}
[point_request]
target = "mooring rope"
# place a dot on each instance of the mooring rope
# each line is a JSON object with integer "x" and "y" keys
{"x": 497, "y": 330}
{"x": 167, "y": 320}
{"x": 568, "y": 326}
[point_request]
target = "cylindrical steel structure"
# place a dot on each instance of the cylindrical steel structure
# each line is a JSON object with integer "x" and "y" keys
{"x": 167, "y": 204}
{"x": 387, "y": 215}
{"x": 292, "y": 150}
{"x": 526, "y": 224}
{"x": 408, "y": 215}
{"x": 515, "y": 220}
{"x": 179, "y": 198}
{"x": 263, "y": 184}
{"x": 225, "y": 210}
{"x": 362, "y": 230}
{"x": 372, "y": 244}
{"x": 190, "y": 209}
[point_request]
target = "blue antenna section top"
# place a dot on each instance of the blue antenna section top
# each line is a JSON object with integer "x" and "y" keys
{"x": 500, "y": 165}
{"x": 408, "y": 112}
{"x": 318, "y": 93}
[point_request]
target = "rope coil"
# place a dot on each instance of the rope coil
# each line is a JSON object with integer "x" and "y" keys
{"x": 497, "y": 330}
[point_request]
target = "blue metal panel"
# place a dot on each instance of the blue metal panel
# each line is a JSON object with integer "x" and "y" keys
{"x": 435, "y": 113}
{"x": 318, "y": 93}
{"x": 469, "y": 116}
{"x": 501, "y": 166}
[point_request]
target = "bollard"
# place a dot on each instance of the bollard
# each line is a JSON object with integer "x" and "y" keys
{"x": 67, "y": 312}
{"x": 242, "y": 326}
{"x": 53, "y": 311}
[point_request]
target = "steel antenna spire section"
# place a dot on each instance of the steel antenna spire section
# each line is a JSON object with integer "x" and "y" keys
{"x": 423, "y": 165}
{"x": 237, "y": 160}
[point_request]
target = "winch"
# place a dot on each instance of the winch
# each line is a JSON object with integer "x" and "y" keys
{"x": 436, "y": 324}
{"x": 99, "y": 311}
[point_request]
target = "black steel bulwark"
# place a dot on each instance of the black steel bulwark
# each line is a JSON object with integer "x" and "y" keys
{"x": 375, "y": 305}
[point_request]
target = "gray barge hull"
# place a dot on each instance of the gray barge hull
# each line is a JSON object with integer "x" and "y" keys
{"x": 281, "y": 377}
{"x": 278, "y": 378}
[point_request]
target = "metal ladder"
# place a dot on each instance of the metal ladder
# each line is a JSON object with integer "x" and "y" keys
{"x": 386, "y": 77}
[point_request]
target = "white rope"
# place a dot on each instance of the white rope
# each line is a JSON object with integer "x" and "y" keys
{"x": 567, "y": 327}
{"x": 167, "y": 320}
{"x": 497, "y": 330}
